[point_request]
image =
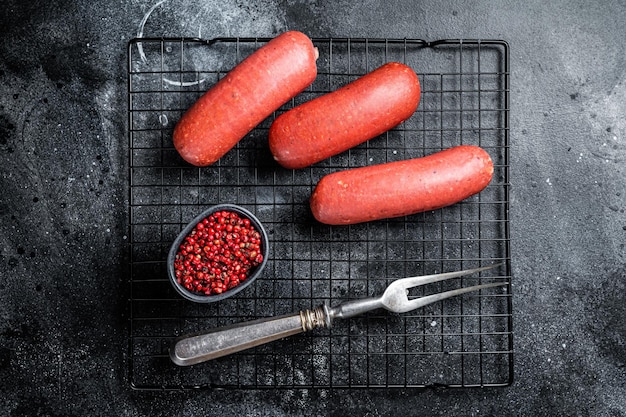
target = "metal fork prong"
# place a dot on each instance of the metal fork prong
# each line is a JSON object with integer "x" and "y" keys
{"x": 429, "y": 279}
{"x": 429, "y": 299}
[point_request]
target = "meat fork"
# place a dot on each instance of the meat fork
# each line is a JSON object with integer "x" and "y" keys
{"x": 196, "y": 348}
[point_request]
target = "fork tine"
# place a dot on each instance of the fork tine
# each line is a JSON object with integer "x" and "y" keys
{"x": 411, "y": 282}
{"x": 429, "y": 299}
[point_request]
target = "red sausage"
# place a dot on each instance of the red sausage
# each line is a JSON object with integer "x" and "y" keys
{"x": 344, "y": 118}
{"x": 249, "y": 93}
{"x": 401, "y": 188}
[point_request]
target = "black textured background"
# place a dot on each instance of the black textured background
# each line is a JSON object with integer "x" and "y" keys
{"x": 63, "y": 208}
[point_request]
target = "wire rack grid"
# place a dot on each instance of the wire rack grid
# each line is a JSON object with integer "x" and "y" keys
{"x": 462, "y": 342}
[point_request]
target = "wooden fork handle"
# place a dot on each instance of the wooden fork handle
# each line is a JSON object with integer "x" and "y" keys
{"x": 196, "y": 348}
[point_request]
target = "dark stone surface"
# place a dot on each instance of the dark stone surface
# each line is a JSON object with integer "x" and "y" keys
{"x": 63, "y": 208}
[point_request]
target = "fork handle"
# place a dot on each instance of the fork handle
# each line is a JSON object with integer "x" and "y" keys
{"x": 192, "y": 349}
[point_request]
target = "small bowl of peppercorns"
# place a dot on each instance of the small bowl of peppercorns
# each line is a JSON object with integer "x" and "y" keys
{"x": 219, "y": 253}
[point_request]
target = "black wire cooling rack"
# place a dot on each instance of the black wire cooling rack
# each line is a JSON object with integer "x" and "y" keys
{"x": 461, "y": 342}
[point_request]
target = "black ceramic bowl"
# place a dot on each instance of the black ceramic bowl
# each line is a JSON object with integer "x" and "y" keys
{"x": 253, "y": 273}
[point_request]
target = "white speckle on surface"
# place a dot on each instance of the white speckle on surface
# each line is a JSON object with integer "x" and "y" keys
{"x": 548, "y": 181}
{"x": 433, "y": 323}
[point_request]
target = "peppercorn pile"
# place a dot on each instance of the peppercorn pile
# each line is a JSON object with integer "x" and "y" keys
{"x": 218, "y": 254}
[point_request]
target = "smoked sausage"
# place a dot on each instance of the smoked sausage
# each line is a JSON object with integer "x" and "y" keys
{"x": 401, "y": 188}
{"x": 248, "y": 94}
{"x": 346, "y": 117}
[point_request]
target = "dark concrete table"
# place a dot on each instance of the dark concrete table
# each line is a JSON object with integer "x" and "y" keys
{"x": 63, "y": 207}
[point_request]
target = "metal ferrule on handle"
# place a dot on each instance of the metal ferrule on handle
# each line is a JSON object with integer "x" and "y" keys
{"x": 192, "y": 349}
